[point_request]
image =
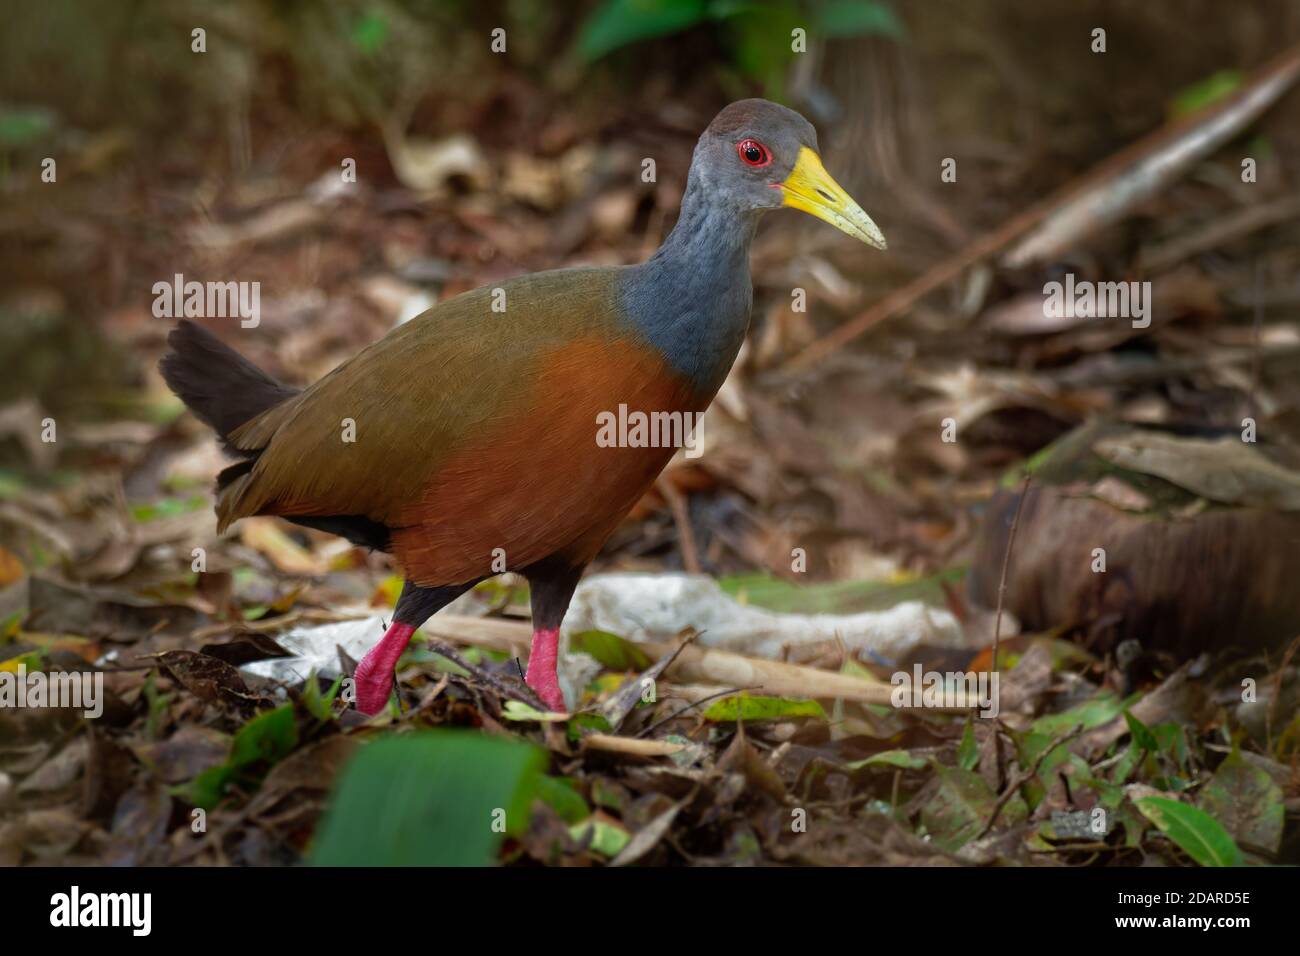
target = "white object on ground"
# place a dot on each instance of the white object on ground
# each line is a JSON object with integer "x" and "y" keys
{"x": 656, "y": 607}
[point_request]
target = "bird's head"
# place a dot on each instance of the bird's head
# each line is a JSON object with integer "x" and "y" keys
{"x": 758, "y": 155}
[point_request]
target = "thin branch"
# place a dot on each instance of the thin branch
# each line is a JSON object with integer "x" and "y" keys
{"x": 682, "y": 519}
{"x": 1255, "y": 345}
{"x": 1006, "y": 563}
{"x": 702, "y": 700}
{"x": 1024, "y": 776}
{"x": 506, "y": 689}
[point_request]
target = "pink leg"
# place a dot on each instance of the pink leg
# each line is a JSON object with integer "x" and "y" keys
{"x": 374, "y": 674}
{"x": 542, "y": 676}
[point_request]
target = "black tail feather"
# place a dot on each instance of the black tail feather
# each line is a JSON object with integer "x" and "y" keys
{"x": 224, "y": 390}
{"x": 221, "y": 387}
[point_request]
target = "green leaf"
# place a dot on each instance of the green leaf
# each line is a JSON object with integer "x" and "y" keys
{"x": 851, "y": 18}
{"x": 962, "y": 805}
{"x": 890, "y": 758}
{"x": 1092, "y": 713}
{"x": 968, "y": 752}
{"x": 558, "y": 794}
{"x": 9, "y": 625}
{"x": 1172, "y": 739}
{"x": 1142, "y": 735}
{"x": 1247, "y": 801}
{"x": 760, "y": 44}
{"x": 207, "y": 789}
{"x": 610, "y": 650}
{"x": 19, "y": 127}
{"x": 1213, "y": 88}
{"x": 617, "y": 23}
{"x": 744, "y": 707}
{"x": 1130, "y": 760}
{"x": 168, "y": 508}
{"x": 370, "y": 32}
{"x": 1200, "y": 836}
{"x": 268, "y": 736}
{"x": 836, "y": 597}
{"x": 434, "y": 798}
{"x": 320, "y": 706}
{"x": 607, "y": 839}
{"x": 518, "y": 710}
{"x": 588, "y": 721}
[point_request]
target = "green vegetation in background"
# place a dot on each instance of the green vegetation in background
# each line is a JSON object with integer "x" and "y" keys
{"x": 168, "y": 508}
{"x": 1213, "y": 88}
{"x": 610, "y": 650}
{"x": 266, "y": 739}
{"x": 1217, "y": 86}
{"x": 23, "y": 126}
{"x": 836, "y": 597}
{"x": 744, "y": 707}
{"x": 758, "y": 36}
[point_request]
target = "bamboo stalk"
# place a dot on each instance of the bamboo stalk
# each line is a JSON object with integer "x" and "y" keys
{"x": 699, "y": 665}
{"x": 631, "y": 745}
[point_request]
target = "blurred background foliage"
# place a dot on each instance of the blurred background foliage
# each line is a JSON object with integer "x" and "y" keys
{"x": 351, "y": 61}
{"x": 115, "y": 86}
{"x": 150, "y": 137}
{"x": 474, "y": 166}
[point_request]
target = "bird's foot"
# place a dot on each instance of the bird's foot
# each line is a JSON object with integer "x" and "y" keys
{"x": 542, "y": 675}
{"x": 374, "y": 675}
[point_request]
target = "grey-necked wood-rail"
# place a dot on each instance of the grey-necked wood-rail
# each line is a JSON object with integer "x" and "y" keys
{"x": 475, "y": 428}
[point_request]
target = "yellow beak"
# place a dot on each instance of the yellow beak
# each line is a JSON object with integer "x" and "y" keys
{"x": 810, "y": 188}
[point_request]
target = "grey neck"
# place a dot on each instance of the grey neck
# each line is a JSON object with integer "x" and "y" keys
{"x": 692, "y": 298}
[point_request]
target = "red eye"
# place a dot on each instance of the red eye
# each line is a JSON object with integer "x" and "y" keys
{"x": 753, "y": 152}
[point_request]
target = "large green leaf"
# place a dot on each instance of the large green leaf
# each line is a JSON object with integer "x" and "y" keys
{"x": 436, "y": 798}
{"x": 1201, "y": 836}
{"x": 617, "y": 23}
{"x": 850, "y": 18}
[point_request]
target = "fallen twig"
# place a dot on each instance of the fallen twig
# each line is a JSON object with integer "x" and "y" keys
{"x": 514, "y": 690}
{"x": 692, "y": 705}
{"x": 1006, "y": 563}
{"x": 631, "y": 745}
{"x": 1231, "y": 227}
{"x": 1024, "y": 776}
{"x": 695, "y": 664}
{"x": 682, "y": 520}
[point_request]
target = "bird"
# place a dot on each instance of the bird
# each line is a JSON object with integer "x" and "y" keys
{"x": 464, "y": 442}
